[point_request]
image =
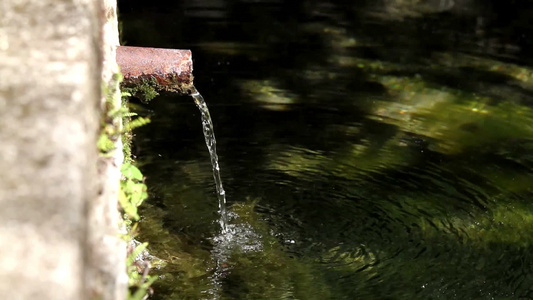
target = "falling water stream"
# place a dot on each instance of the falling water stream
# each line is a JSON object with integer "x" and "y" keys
{"x": 226, "y": 238}
{"x": 210, "y": 141}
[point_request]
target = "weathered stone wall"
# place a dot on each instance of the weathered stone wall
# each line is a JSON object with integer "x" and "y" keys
{"x": 51, "y": 54}
{"x": 105, "y": 271}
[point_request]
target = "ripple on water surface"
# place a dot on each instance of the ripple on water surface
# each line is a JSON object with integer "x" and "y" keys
{"x": 362, "y": 161}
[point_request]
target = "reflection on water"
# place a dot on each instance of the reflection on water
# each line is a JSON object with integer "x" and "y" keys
{"x": 373, "y": 151}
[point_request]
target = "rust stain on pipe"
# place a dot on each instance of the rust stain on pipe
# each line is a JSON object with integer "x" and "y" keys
{"x": 163, "y": 69}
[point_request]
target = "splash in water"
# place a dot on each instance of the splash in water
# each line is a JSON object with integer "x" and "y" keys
{"x": 211, "y": 143}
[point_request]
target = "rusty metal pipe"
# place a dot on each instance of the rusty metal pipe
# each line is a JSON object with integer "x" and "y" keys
{"x": 163, "y": 69}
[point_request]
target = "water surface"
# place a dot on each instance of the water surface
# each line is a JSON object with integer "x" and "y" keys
{"x": 370, "y": 152}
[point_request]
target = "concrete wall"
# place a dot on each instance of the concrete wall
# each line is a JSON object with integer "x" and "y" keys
{"x": 57, "y": 237}
{"x": 105, "y": 271}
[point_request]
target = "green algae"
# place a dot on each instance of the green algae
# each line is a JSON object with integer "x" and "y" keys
{"x": 266, "y": 272}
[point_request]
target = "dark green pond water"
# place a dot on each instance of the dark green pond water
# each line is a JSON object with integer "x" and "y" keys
{"x": 368, "y": 149}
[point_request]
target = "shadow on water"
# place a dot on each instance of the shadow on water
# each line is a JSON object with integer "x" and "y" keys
{"x": 378, "y": 150}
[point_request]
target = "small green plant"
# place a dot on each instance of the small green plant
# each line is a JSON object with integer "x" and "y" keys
{"x": 105, "y": 144}
{"x": 138, "y": 268}
{"x": 118, "y": 122}
{"x": 111, "y": 125}
{"x": 130, "y": 121}
{"x": 133, "y": 191}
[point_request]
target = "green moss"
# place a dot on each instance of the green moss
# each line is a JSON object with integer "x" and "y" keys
{"x": 185, "y": 265}
{"x": 145, "y": 90}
